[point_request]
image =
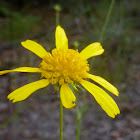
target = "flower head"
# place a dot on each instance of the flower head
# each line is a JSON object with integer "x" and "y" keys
{"x": 65, "y": 66}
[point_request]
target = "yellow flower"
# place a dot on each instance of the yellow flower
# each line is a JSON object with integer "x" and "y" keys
{"x": 65, "y": 66}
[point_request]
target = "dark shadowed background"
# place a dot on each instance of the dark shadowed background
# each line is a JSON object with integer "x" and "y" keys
{"x": 37, "y": 118}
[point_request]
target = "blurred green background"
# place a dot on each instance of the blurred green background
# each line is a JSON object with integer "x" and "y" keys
{"x": 37, "y": 118}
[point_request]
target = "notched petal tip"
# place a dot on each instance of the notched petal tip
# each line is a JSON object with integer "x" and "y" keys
{"x": 14, "y": 101}
{"x": 67, "y": 97}
{"x": 25, "y": 91}
{"x": 10, "y": 99}
{"x": 113, "y": 117}
{"x": 105, "y": 101}
{"x": 73, "y": 102}
{"x": 69, "y": 107}
{"x": 104, "y": 83}
{"x": 115, "y": 114}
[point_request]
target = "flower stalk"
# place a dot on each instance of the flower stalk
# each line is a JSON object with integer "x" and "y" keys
{"x": 57, "y": 8}
{"x": 61, "y": 120}
{"x": 78, "y": 118}
{"x": 80, "y": 112}
{"x": 106, "y": 20}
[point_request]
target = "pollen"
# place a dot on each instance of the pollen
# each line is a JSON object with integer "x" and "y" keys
{"x": 64, "y": 66}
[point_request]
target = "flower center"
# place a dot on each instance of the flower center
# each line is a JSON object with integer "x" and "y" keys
{"x": 64, "y": 66}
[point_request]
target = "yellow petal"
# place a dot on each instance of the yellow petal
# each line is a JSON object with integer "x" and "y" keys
{"x": 107, "y": 110}
{"x": 21, "y": 69}
{"x": 23, "y": 92}
{"x": 67, "y": 96}
{"x": 106, "y": 102}
{"x": 92, "y": 50}
{"x": 61, "y": 40}
{"x": 104, "y": 83}
{"x": 34, "y": 47}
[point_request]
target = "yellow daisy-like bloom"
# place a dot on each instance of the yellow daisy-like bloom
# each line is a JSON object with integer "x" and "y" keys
{"x": 65, "y": 66}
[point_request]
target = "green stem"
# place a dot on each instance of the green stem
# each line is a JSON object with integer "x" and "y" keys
{"x": 104, "y": 27}
{"x": 106, "y": 20}
{"x": 61, "y": 106}
{"x": 61, "y": 120}
{"x": 78, "y": 121}
{"x": 80, "y": 112}
{"x": 57, "y": 18}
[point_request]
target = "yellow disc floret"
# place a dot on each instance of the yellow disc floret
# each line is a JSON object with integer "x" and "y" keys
{"x": 64, "y": 66}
